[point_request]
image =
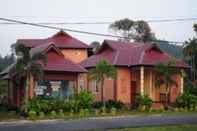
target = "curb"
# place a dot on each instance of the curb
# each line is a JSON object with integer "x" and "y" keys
{"x": 20, "y": 122}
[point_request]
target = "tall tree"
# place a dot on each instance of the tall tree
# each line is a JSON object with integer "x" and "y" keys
{"x": 164, "y": 74}
{"x": 190, "y": 54}
{"x": 95, "y": 46}
{"x": 195, "y": 28}
{"x": 102, "y": 70}
{"x": 27, "y": 65}
{"x": 6, "y": 61}
{"x": 139, "y": 31}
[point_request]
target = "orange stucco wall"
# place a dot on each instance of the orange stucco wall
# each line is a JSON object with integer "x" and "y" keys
{"x": 150, "y": 88}
{"x": 108, "y": 89}
{"x": 76, "y": 55}
{"x": 82, "y": 82}
{"x": 123, "y": 84}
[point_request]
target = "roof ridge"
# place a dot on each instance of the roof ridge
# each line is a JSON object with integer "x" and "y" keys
{"x": 141, "y": 57}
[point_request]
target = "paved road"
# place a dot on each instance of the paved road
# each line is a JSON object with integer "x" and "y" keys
{"x": 100, "y": 123}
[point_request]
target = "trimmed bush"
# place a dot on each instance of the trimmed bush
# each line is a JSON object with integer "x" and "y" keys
{"x": 41, "y": 115}
{"x": 113, "y": 111}
{"x": 53, "y": 114}
{"x": 32, "y": 114}
{"x": 61, "y": 113}
{"x": 109, "y": 104}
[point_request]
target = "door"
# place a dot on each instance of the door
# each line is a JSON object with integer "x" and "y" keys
{"x": 133, "y": 91}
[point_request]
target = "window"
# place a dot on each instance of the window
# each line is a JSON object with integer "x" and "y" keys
{"x": 163, "y": 97}
{"x": 55, "y": 89}
{"x": 95, "y": 86}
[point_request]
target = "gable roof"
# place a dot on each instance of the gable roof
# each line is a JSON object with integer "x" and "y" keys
{"x": 130, "y": 54}
{"x": 61, "y": 40}
{"x": 58, "y": 64}
{"x": 44, "y": 48}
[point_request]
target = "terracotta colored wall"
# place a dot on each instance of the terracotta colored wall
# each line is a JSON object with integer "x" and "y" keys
{"x": 123, "y": 84}
{"x": 82, "y": 77}
{"x": 108, "y": 89}
{"x": 150, "y": 87}
{"x": 175, "y": 90}
{"x": 76, "y": 55}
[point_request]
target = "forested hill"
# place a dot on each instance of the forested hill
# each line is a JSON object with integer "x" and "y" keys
{"x": 174, "y": 50}
{"x": 6, "y": 61}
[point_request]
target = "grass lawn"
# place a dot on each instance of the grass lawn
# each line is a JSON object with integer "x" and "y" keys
{"x": 161, "y": 128}
{"x": 4, "y": 115}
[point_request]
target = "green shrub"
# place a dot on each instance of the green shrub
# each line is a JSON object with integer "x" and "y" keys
{"x": 81, "y": 113}
{"x": 96, "y": 111}
{"x": 113, "y": 111}
{"x": 85, "y": 99}
{"x": 103, "y": 110}
{"x": 97, "y": 105}
{"x": 39, "y": 105}
{"x": 32, "y": 114}
{"x": 71, "y": 113}
{"x": 186, "y": 100}
{"x": 53, "y": 114}
{"x": 114, "y": 104}
{"x": 87, "y": 112}
{"x": 143, "y": 102}
{"x": 61, "y": 113}
{"x": 41, "y": 115}
{"x": 109, "y": 104}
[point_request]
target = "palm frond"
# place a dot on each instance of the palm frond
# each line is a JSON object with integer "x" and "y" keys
{"x": 40, "y": 56}
{"x": 37, "y": 70}
{"x": 21, "y": 49}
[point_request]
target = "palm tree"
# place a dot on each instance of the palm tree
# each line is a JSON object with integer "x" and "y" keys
{"x": 27, "y": 65}
{"x": 164, "y": 73}
{"x": 102, "y": 70}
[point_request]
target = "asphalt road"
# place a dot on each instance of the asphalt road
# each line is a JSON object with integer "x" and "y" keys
{"x": 101, "y": 124}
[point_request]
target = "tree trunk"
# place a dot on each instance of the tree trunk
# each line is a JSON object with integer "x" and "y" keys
{"x": 166, "y": 101}
{"x": 102, "y": 91}
{"x": 26, "y": 92}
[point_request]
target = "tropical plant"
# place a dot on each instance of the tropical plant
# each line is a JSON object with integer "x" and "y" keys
{"x": 186, "y": 100}
{"x": 109, "y": 104}
{"x": 27, "y": 65}
{"x": 138, "y": 30}
{"x": 102, "y": 70}
{"x": 32, "y": 114}
{"x": 143, "y": 102}
{"x": 85, "y": 99}
{"x": 164, "y": 76}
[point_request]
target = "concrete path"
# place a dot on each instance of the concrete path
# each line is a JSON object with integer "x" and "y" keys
{"x": 99, "y": 124}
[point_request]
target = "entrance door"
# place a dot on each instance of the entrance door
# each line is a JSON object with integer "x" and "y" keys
{"x": 133, "y": 91}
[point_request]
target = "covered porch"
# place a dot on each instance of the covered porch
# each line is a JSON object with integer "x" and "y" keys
{"x": 143, "y": 82}
{"x": 57, "y": 85}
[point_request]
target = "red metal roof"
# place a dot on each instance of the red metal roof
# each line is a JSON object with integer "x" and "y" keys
{"x": 56, "y": 60}
{"x": 63, "y": 65}
{"x": 129, "y": 54}
{"x": 61, "y": 40}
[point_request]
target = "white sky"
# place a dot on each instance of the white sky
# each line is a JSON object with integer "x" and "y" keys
{"x": 92, "y": 11}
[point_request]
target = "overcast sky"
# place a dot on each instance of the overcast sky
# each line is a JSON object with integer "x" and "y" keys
{"x": 94, "y": 11}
